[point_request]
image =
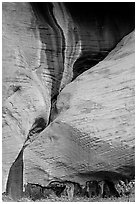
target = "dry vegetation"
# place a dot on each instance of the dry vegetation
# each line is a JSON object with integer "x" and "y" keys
{"x": 129, "y": 198}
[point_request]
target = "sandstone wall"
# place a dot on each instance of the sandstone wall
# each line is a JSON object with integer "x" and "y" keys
{"x": 45, "y": 46}
{"x": 93, "y": 133}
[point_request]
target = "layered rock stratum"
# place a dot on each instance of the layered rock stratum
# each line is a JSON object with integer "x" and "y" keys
{"x": 86, "y": 117}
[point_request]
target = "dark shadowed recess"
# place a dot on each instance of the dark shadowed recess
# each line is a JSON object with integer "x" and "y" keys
{"x": 85, "y": 10}
{"x": 111, "y": 21}
{"x": 110, "y": 175}
{"x": 121, "y": 18}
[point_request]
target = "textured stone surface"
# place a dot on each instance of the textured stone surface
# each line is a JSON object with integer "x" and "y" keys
{"x": 33, "y": 65}
{"x": 24, "y": 95}
{"x": 44, "y": 47}
{"x": 94, "y": 130}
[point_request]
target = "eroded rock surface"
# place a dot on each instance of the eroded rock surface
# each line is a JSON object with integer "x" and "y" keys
{"x": 93, "y": 133}
{"x": 33, "y": 64}
{"x": 45, "y": 46}
{"x": 24, "y": 95}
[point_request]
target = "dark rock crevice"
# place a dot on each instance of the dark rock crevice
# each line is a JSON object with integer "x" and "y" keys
{"x": 54, "y": 52}
{"x": 86, "y": 62}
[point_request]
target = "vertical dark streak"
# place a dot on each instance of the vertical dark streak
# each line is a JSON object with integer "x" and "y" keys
{"x": 14, "y": 187}
{"x": 44, "y": 14}
{"x": 63, "y": 37}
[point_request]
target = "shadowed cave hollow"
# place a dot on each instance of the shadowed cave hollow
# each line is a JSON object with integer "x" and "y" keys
{"x": 115, "y": 20}
{"x": 111, "y": 21}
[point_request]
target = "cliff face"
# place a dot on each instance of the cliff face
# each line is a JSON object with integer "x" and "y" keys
{"x": 45, "y": 46}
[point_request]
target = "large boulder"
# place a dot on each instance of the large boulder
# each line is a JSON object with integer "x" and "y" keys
{"x": 92, "y": 134}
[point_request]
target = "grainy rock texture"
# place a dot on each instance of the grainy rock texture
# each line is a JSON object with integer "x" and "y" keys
{"x": 93, "y": 133}
{"x": 24, "y": 94}
{"x": 32, "y": 71}
{"x": 45, "y": 46}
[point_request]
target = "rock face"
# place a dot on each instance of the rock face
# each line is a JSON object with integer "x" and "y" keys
{"x": 45, "y": 46}
{"x": 24, "y": 95}
{"x": 93, "y": 133}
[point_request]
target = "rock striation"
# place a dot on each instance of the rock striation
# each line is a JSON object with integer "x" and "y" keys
{"x": 24, "y": 95}
{"x": 45, "y": 47}
{"x": 93, "y": 132}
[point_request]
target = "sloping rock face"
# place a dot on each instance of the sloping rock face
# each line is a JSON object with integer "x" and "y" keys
{"x": 24, "y": 95}
{"x": 93, "y": 133}
{"x": 45, "y": 46}
{"x": 33, "y": 64}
